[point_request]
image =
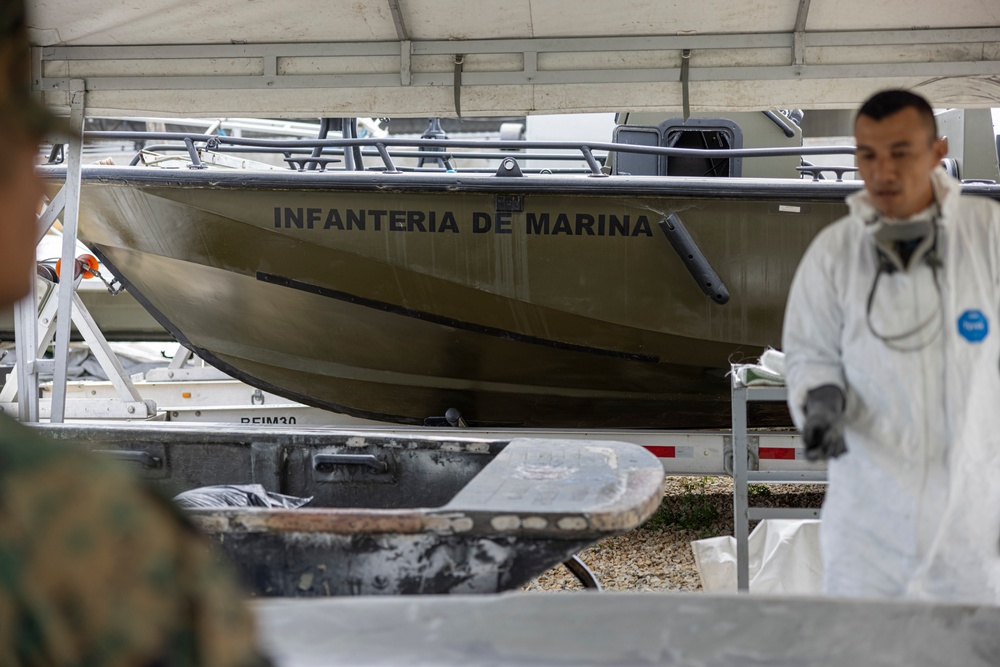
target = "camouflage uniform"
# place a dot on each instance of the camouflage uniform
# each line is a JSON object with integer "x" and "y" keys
{"x": 95, "y": 569}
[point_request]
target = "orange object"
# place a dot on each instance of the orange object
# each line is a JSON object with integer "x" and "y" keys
{"x": 186, "y": 394}
{"x": 85, "y": 264}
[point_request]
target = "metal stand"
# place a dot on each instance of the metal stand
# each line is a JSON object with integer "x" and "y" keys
{"x": 128, "y": 404}
{"x": 742, "y": 476}
{"x": 61, "y": 308}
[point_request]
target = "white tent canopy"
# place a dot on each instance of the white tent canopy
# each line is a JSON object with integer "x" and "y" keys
{"x": 307, "y": 58}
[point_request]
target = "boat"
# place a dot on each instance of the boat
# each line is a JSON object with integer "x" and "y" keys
{"x": 391, "y": 513}
{"x": 613, "y": 294}
{"x": 119, "y": 317}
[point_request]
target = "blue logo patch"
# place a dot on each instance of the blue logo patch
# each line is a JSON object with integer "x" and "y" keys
{"x": 973, "y": 326}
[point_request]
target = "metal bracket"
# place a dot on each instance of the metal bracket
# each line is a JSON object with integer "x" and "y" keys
{"x": 510, "y": 203}
{"x": 270, "y": 65}
{"x": 509, "y": 167}
{"x": 405, "y": 58}
{"x": 457, "y": 84}
{"x": 799, "y": 36}
{"x": 39, "y": 366}
{"x": 685, "y": 81}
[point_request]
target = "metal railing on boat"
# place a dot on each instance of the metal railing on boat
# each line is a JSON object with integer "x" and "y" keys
{"x": 594, "y": 154}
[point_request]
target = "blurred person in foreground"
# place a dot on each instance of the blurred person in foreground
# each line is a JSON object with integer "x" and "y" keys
{"x": 95, "y": 569}
{"x": 892, "y": 337}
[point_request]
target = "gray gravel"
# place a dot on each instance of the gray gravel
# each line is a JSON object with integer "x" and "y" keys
{"x": 658, "y": 556}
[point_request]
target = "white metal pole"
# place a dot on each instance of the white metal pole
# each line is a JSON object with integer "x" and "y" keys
{"x": 26, "y": 339}
{"x": 74, "y": 158}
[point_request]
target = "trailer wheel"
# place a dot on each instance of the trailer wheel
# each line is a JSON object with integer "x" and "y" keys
{"x": 582, "y": 573}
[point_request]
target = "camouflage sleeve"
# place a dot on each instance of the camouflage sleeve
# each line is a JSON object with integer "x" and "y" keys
{"x": 97, "y": 570}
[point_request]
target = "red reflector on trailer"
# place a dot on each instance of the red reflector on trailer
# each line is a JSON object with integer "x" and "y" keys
{"x": 782, "y": 453}
{"x": 662, "y": 452}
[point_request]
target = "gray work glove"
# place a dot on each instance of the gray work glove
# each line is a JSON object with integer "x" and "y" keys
{"x": 823, "y": 432}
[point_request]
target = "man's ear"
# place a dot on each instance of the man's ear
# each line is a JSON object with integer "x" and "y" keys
{"x": 940, "y": 147}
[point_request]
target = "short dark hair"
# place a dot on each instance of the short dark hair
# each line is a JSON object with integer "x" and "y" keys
{"x": 889, "y": 102}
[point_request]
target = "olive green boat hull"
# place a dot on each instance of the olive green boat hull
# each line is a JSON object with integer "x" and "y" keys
{"x": 548, "y": 304}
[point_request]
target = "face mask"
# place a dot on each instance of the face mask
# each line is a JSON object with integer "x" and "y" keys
{"x": 901, "y": 245}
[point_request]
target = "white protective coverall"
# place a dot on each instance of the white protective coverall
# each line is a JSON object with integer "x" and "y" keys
{"x": 913, "y": 508}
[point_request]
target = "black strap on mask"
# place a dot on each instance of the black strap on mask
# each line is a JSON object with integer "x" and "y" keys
{"x": 896, "y": 246}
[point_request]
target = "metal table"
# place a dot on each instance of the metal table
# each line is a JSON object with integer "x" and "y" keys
{"x": 742, "y": 476}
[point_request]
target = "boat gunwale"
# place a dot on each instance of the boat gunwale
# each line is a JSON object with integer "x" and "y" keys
{"x": 437, "y": 183}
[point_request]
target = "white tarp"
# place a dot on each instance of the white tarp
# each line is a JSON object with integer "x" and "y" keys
{"x": 784, "y": 559}
{"x": 308, "y": 58}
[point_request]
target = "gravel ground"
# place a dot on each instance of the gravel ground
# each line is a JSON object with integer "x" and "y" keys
{"x": 658, "y": 556}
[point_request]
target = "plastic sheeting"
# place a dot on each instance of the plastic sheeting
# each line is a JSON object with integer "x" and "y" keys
{"x": 784, "y": 559}
{"x": 769, "y": 371}
{"x": 236, "y": 495}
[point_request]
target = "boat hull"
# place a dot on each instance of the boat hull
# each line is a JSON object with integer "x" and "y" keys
{"x": 534, "y": 304}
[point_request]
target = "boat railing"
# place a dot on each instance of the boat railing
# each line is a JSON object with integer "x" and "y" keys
{"x": 319, "y": 154}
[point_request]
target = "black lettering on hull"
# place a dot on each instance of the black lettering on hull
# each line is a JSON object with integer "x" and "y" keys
{"x": 480, "y": 222}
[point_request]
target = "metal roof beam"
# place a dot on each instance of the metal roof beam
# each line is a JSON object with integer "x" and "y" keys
{"x": 543, "y": 45}
{"x": 387, "y": 69}
{"x": 649, "y": 75}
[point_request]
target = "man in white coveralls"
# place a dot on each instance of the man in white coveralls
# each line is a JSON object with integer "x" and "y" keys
{"x": 892, "y": 337}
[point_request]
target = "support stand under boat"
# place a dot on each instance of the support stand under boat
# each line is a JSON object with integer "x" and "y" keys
{"x": 128, "y": 404}
{"x": 34, "y": 331}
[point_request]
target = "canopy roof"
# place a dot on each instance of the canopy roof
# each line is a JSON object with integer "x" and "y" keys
{"x": 307, "y": 58}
